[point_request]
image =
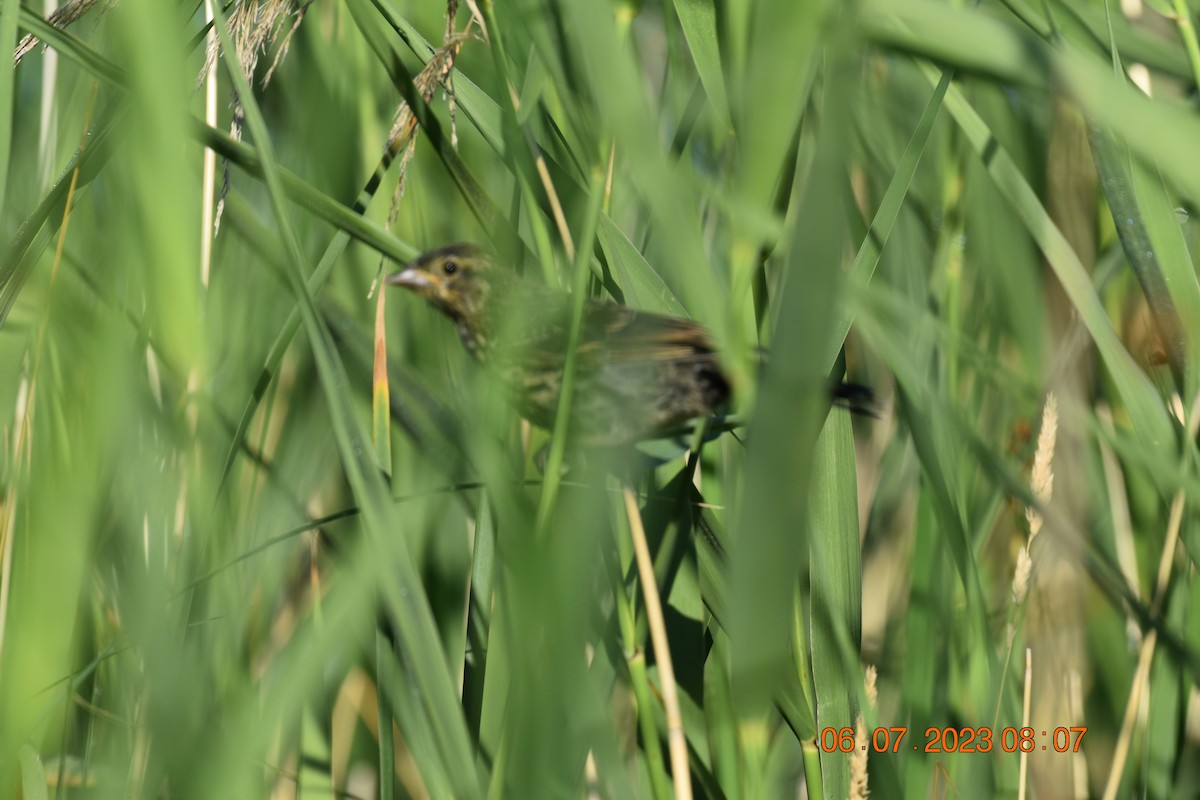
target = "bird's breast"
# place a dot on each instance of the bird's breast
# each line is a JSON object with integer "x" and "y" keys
{"x": 475, "y": 340}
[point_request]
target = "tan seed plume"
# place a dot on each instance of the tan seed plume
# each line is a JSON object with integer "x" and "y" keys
{"x": 858, "y": 759}
{"x": 1042, "y": 484}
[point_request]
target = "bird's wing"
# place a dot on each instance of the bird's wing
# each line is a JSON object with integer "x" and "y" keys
{"x": 618, "y": 334}
{"x": 613, "y": 335}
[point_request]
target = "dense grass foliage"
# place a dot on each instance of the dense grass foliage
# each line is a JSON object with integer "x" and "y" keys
{"x": 267, "y": 530}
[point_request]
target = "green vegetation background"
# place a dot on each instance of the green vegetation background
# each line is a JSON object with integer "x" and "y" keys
{"x": 232, "y": 564}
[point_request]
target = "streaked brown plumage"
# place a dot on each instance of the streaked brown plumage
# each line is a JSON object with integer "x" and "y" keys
{"x": 638, "y": 374}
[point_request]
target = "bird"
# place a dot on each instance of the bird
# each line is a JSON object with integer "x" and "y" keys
{"x": 638, "y": 375}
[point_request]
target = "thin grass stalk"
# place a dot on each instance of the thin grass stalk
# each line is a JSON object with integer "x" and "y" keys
{"x": 813, "y": 780}
{"x": 1023, "y": 783}
{"x": 676, "y": 738}
{"x": 48, "y": 117}
{"x": 9, "y": 11}
{"x": 669, "y": 555}
{"x": 660, "y": 783}
{"x": 1187, "y": 33}
{"x": 539, "y": 163}
{"x": 381, "y": 401}
{"x": 8, "y": 533}
{"x": 387, "y": 744}
{"x": 479, "y": 613}
{"x": 1079, "y": 772}
{"x": 582, "y": 274}
{"x": 208, "y": 177}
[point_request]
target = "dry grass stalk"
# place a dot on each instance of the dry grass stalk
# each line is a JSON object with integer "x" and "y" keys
{"x": 1141, "y": 676}
{"x": 676, "y": 739}
{"x": 1023, "y": 781}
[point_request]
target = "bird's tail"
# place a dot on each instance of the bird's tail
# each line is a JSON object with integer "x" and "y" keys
{"x": 855, "y": 398}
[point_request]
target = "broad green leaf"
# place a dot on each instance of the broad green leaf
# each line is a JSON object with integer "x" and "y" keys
{"x": 642, "y": 286}
{"x": 33, "y": 775}
{"x": 835, "y": 607}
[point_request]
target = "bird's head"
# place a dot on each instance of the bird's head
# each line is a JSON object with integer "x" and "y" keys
{"x": 456, "y": 279}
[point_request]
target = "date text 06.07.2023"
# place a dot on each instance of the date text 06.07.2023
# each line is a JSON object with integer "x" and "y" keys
{"x": 957, "y": 740}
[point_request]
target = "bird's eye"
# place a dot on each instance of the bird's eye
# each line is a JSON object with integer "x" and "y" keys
{"x": 450, "y": 268}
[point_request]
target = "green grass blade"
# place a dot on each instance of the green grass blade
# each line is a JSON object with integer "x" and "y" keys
{"x": 9, "y": 11}
{"x": 835, "y": 608}
{"x": 699, "y": 22}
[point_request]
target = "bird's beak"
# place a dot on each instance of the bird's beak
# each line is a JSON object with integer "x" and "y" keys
{"x": 410, "y": 277}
